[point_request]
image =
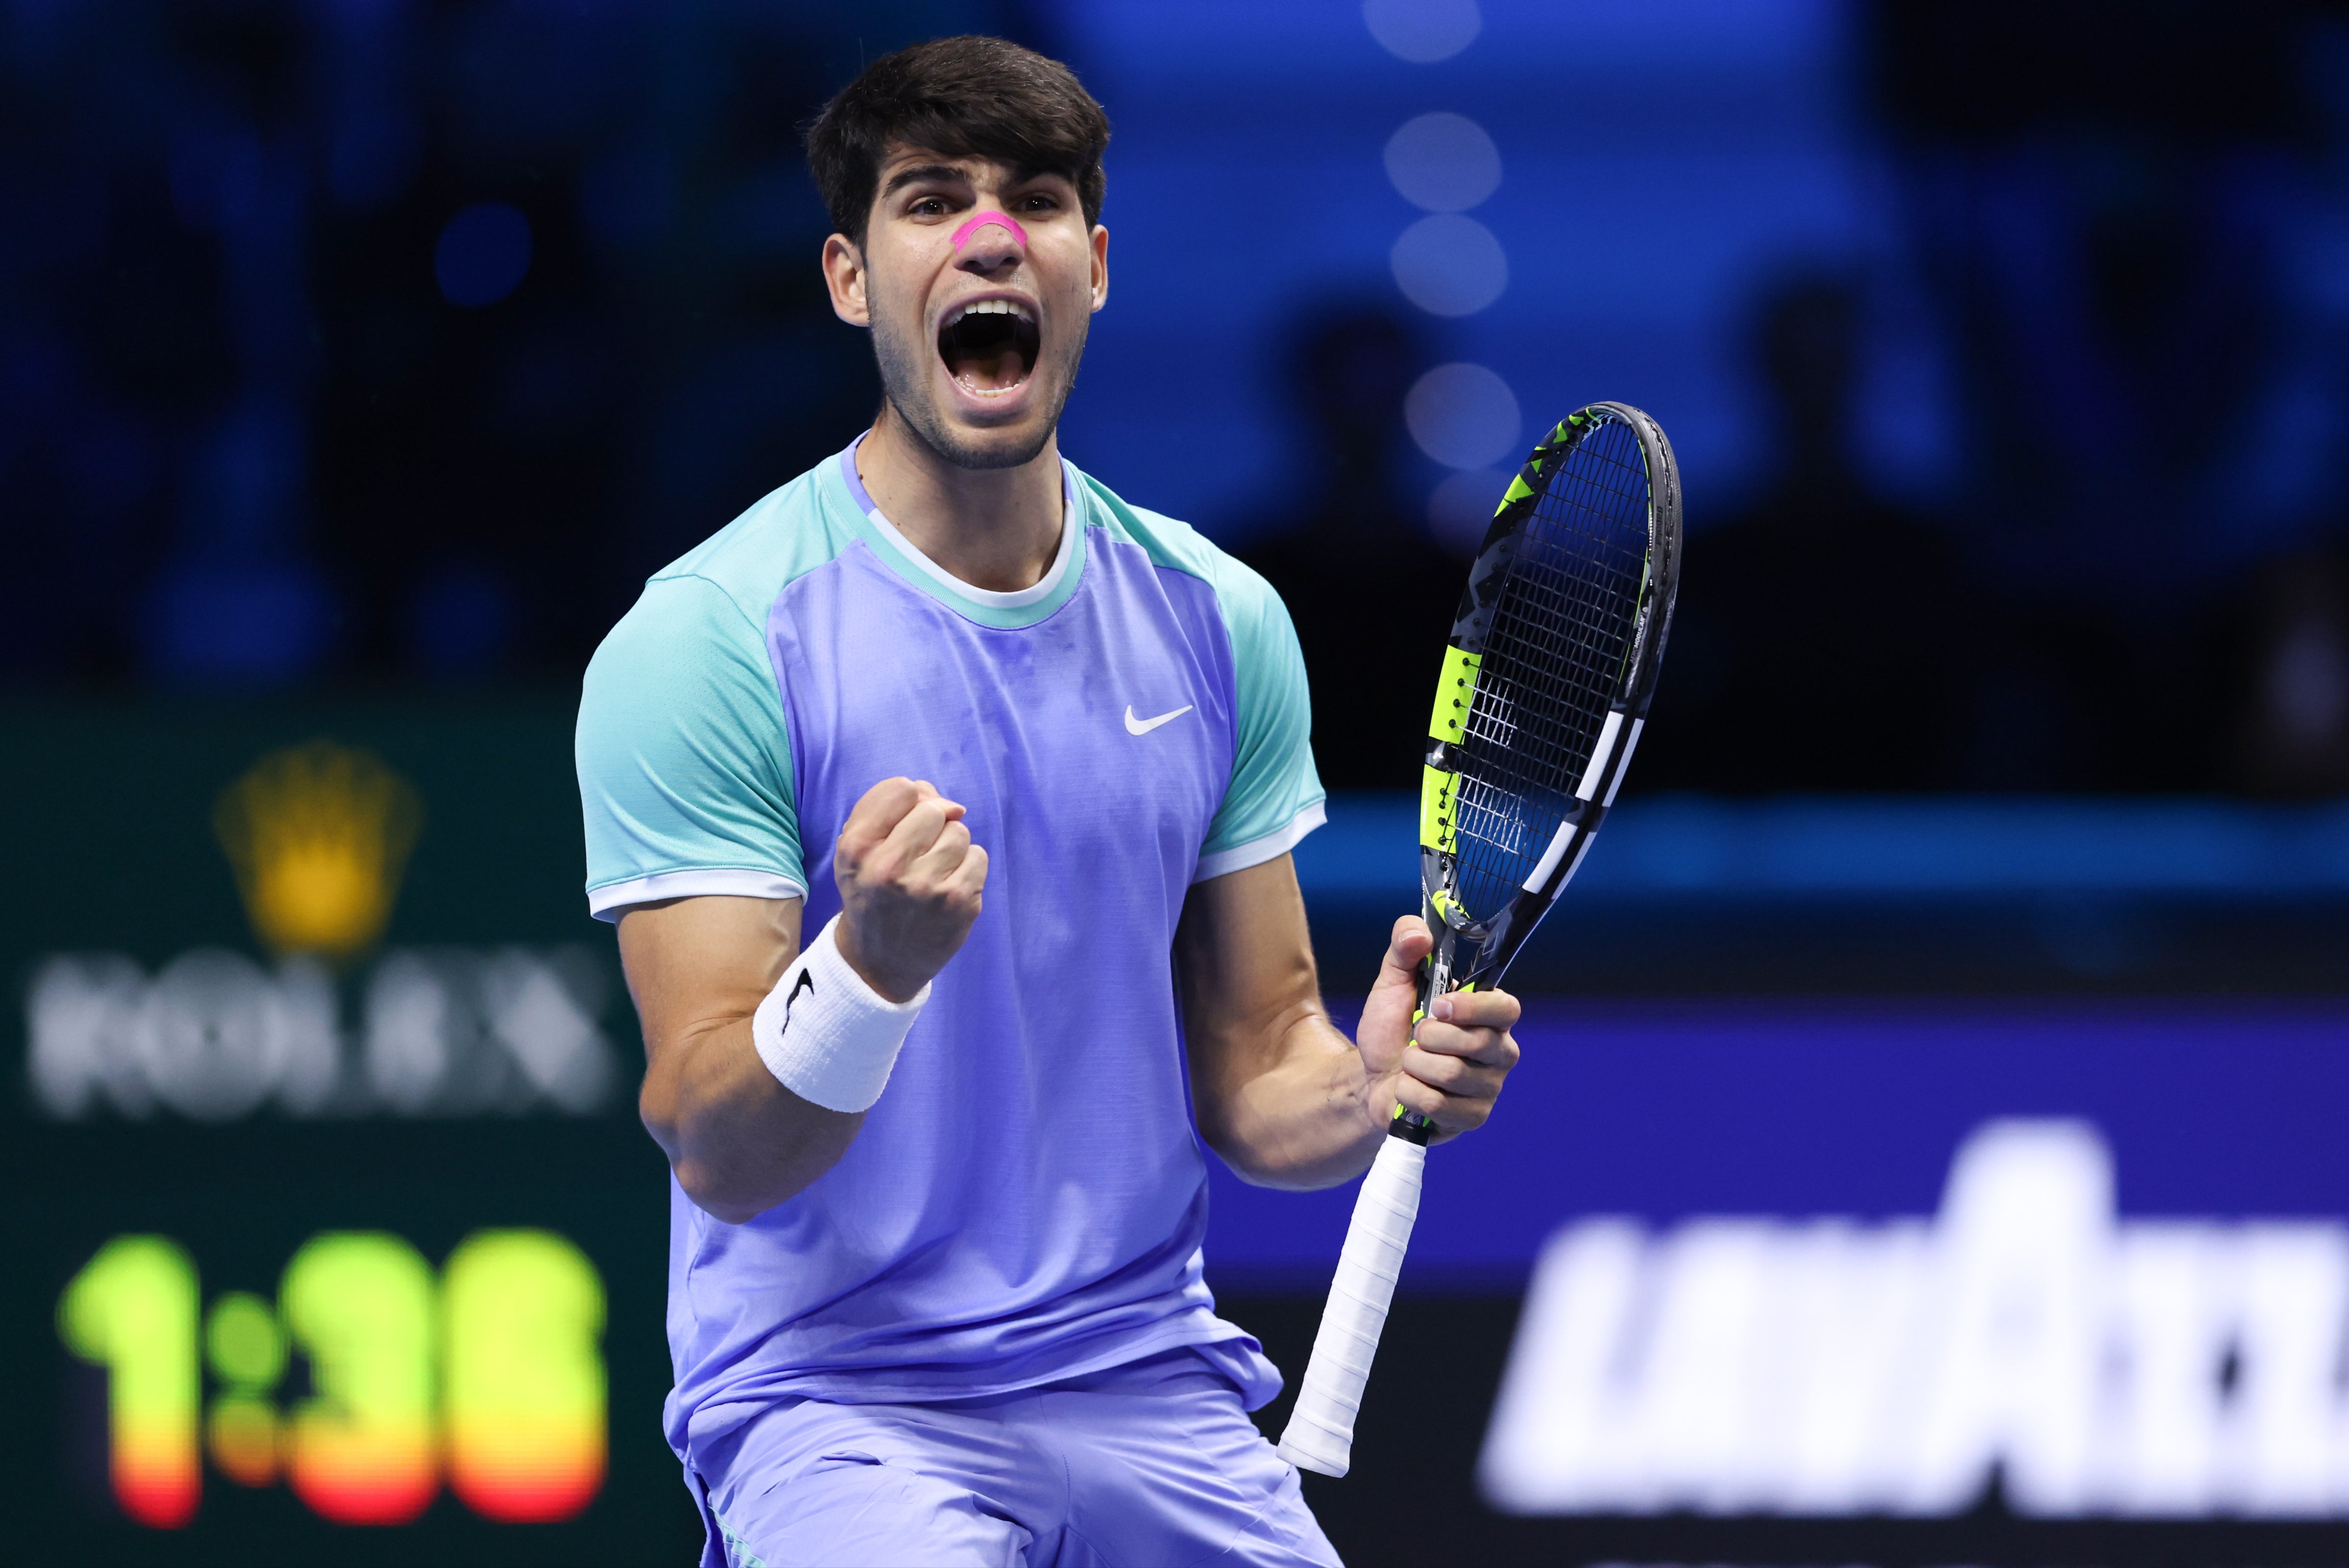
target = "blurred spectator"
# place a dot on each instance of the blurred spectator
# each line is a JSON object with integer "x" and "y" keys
{"x": 2120, "y": 216}
{"x": 2291, "y": 733}
{"x": 387, "y": 340}
{"x": 1821, "y": 638}
{"x": 1370, "y": 592}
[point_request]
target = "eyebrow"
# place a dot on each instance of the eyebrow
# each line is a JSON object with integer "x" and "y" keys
{"x": 921, "y": 172}
{"x": 917, "y": 173}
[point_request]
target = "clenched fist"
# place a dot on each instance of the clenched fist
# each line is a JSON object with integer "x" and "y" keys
{"x": 909, "y": 883}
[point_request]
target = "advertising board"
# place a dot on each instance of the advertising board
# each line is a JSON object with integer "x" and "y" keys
{"x": 330, "y": 1226}
{"x": 331, "y": 1229}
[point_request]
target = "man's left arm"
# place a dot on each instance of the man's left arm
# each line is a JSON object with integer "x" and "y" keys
{"x": 1279, "y": 1092}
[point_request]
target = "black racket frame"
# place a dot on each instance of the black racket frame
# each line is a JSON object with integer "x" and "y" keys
{"x": 1477, "y": 953}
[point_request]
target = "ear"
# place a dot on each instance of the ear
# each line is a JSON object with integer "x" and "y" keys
{"x": 1101, "y": 266}
{"x": 845, "y": 276}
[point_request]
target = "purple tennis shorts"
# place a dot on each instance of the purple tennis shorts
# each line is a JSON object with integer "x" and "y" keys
{"x": 1151, "y": 1465}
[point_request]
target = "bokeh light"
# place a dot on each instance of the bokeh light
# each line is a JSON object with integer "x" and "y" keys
{"x": 1423, "y": 31}
{"x": 1443, "y": 162}
{"x": 1450, "y": 264}
{"x": 1463, "y": 416}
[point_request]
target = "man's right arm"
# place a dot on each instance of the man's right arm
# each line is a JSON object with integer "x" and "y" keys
{"x": 739, "y": 1140}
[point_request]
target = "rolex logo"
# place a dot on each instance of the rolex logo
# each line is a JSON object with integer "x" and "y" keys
{"x": 319, "y": 834}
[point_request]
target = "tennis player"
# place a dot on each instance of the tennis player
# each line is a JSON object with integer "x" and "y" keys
{"x": 922, "y": 794}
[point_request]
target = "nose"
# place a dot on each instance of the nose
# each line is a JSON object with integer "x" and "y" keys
{"x": 990, "y": 240}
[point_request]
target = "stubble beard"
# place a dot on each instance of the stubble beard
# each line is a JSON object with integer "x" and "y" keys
{"x": 904, "y": 364}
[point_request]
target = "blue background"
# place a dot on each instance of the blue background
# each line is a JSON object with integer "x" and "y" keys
{"x": 1666, "y": 1110}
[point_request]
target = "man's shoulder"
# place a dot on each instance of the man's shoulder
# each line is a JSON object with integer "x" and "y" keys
{"x": 1171, "y": 545}
{"x": 784, "y": 536}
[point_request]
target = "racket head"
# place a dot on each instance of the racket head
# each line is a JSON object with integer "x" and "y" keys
{"x": 1552, "y": 666}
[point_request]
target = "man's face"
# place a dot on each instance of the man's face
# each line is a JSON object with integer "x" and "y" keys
{"x": 978, "y": 343}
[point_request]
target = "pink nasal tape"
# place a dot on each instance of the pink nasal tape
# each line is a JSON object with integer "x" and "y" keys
{"x": 980, "y": 220}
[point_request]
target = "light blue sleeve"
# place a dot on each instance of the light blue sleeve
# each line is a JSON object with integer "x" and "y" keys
{"x": 1275, "y": 796}
{"x": 685, "y": 767}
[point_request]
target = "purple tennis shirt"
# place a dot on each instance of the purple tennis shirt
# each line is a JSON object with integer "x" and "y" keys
{"x": 1027, "y": 1201}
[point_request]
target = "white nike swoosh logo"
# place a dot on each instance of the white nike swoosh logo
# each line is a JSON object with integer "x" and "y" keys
{"x": 1135, "y": 726}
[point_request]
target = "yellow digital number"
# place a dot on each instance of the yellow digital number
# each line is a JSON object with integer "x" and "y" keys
{"x": 132, "y": 1310}
{"x": 496, "y": 1371}
{"x": 524, "y": 1394}
{"x": 359, "y": 1305}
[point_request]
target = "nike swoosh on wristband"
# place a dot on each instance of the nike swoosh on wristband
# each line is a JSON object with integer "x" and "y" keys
{"x": 806, "y": 983}
{"x": 1135, "y": 726}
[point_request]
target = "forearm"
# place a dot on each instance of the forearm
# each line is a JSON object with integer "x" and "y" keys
{"x": 748, "y": 1109}
{"x": 738, "y": 1141}
{"x": 1284, "y": 1097}
{"x": 1305, "y": 1121}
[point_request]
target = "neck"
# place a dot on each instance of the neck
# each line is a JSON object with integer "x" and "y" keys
{"x": 994, "y": 528}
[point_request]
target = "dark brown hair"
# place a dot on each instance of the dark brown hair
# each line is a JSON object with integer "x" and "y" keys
{"x": 967, "y": 98}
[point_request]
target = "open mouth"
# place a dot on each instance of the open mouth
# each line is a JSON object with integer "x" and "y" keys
{"x": 990, "y": 344}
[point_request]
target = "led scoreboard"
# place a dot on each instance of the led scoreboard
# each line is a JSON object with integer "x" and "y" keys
{"x": 330, "y": 1229}
{"x": 509, "y": 1340}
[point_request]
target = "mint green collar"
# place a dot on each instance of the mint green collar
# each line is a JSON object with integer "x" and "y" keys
{"x": 1006, "y": 612}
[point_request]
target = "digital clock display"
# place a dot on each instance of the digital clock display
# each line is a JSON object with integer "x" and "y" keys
{"x": 488, "y": 1374}
{"x": 330, "y": 1234}
{"x": 389, "y": 1342}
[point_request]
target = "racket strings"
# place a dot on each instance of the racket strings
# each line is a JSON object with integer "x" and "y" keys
{"x": 1555, "y": 664}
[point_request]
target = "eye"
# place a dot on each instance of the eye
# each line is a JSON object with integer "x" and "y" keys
{"x": 929, "y": 207}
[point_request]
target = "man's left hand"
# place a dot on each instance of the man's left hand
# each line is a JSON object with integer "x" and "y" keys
{"x": 1451, "y": 1072}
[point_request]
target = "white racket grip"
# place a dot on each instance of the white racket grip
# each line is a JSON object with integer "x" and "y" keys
{"x": 1321, "y": 1432}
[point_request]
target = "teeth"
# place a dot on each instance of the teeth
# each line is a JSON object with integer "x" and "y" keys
{"x": 990, "y": 308}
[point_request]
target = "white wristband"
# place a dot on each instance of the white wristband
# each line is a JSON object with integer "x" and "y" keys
{"x": 826, "y": 1036}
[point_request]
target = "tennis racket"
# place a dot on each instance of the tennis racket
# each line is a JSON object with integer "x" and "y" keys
{"x": 1545, "y": 687}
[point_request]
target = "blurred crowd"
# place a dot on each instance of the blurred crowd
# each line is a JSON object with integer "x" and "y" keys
{"x": 359, "y": 341}
{"x": 361, "y": 338}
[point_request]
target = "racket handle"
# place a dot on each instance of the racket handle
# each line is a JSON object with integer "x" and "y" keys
{"x": 1321, "y": 1432}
